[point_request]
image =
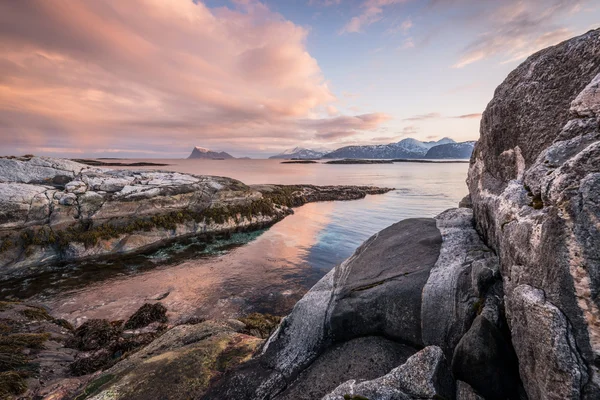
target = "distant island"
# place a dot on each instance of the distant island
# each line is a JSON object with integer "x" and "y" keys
{"x": 96, "y": 163}
{"x": 207, "y": 154}
{"x": 358, "y": 161}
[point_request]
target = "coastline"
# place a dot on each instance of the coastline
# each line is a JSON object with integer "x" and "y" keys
{"x": 68, "y": 211}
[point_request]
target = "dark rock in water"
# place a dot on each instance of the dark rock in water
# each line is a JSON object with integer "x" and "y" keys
{"x": 534, "y": 181}
{"x": 486, "y": 361}
{"x": 466, "y": 202}
{"x": 94, "y": 335}
{"x": 147, "y": 314}
{"x": 359, "y": 161}
{"x": 61, "y": 180}
{"x": 88, "y": 363}
{"x": 361, "y": 359}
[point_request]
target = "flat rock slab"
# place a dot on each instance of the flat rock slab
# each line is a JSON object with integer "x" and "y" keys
{"x": 362, "y": 358}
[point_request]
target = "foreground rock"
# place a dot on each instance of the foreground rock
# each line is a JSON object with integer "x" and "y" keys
{"x": 41, "y": 357}
{"x": 518, "y": 319}
{"x": 424, "y": 376}
{"x": 535, "y": 183}
{"x": 57, "y": 210}
{"x": 180, "y": 364}
{"x": 420, "y": 282}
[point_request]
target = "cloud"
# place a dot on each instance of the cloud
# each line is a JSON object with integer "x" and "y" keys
{"x": 324, "y": 3}
{"x": 371, "y": 11}
{"x": 404, "y": 27}
{"x": 410, "y": 130}
{"x": 437, "y": 115}
{"x": 424, "y": 117}
{"x": 344, "y": 126}
{"x": 468, "y": 116}
{"x": 515, "y": 29}
{"x": 408, "y": 43}
{"x": 156, "y": 76}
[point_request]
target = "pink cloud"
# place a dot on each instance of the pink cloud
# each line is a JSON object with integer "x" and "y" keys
{"x": 158, "y": 75}
{"x": 372, "y": 11}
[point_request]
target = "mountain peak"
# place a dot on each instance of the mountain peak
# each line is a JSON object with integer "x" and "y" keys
{"x": 204, "y": 153}
{"x": 299, "y": 152}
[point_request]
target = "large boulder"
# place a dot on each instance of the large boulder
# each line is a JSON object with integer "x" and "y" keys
{"x": 412, "y": 284}
{"x": 534, "y": 182}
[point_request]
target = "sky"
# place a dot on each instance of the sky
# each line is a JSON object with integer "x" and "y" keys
{"x": 154, "y": 78}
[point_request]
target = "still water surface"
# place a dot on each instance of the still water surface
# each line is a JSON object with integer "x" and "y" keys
{"x": 266, "y": 271}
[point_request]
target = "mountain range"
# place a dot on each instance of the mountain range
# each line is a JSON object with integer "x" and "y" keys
{"x": 299, "y": 152}
{"x": 409, "y": 148}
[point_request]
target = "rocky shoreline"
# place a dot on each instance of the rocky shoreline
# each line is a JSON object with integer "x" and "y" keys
{"x": 496, "y": 299}
{"x": 55, "y": 210}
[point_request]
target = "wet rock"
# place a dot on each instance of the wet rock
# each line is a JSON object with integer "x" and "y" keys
{"x": 260, "y": 325}
{"x": 147, "y": 314}
{"x": 424, "y": 376}
{"x": 94, "y": 335}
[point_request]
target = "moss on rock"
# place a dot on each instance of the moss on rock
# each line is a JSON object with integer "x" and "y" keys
{"x": 260, "y": 325}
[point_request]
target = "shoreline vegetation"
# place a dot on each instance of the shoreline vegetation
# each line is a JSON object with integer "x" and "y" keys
{"x": 56, "y": 210}
{"x": 96, "y": 163}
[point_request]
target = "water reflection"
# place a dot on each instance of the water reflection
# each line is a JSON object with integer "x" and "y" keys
{"x": 269, "y": 273}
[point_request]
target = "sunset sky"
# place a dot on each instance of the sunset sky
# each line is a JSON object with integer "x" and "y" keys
{"x": 153, "y": 78}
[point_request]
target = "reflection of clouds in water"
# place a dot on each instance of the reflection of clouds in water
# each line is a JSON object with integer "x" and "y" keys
{"x": 272, "y": 272}
{"x": 267, "y": 270}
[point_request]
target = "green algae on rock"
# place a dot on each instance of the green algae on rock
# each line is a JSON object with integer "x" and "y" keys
{"x": 54, "y": 210}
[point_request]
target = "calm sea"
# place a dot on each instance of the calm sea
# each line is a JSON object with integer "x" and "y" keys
{"x": 266, "y": 271}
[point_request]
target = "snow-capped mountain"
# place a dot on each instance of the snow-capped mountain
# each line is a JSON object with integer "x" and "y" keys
{"x": 201, "y": 152}
{"x": 406, "y": 148}
{"x": 451, "y": 150}
{"x": 300, "y": 153}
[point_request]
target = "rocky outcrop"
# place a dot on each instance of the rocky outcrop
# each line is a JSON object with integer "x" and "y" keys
{"x": 187, "y": 358}
{"x": 506, "y": 292}
{"x": 57, "y": 210}
{"x": 418, "y": 283}
{"x": 534, "y": 182}
{"x": 206, "y": 154}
